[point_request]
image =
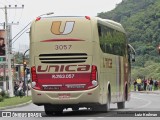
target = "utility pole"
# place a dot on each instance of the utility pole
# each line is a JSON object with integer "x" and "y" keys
{"x": 8, "y": 47}
{"x": 5, "y": 83}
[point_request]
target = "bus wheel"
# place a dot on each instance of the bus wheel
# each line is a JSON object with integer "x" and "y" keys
{"x": 121, "y": 105}
{"x": 59, "y": 112}
{"x": 108, "y": 101}
{"x": 100, "y": 108}
{"x": 75, "y": 108}
{"x": 48, "y": 111}
{"x": 103, "y": 108}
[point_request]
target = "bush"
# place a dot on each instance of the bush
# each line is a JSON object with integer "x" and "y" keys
{"x": 6, "y": 95}
{"x": 3, "y": 93}
{"x": 1, "y": 98}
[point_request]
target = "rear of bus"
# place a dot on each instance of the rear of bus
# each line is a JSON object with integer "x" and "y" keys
{"x": 61, "y": 60}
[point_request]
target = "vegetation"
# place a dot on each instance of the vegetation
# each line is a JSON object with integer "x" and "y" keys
{"x": 141, "y": 20}
{"x": 150, "y": 70}
{"x": 3, "y": 95}
{"x": 18, "y": 58}
{"x": 2, "y": 78}
{"x": 14, "y": 101}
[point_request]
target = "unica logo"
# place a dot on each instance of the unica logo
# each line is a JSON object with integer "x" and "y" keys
{"x": 58, "y": 29}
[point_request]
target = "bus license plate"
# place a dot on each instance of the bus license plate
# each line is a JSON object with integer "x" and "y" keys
{"x": 64, "y": 96}
{"x": 51, "y": 88}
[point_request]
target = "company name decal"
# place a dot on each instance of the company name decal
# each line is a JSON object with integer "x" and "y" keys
{"x": 63, "y": 68}
{"x": 57, "y": 29}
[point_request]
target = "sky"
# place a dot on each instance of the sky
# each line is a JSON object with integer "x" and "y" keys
{"x": 35, "y": 8}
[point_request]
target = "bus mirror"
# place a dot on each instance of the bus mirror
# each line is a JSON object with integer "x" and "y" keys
{"x": 133, "y": 57}
{"x": 132, "y": 52}
{"x": 158, "y": 49}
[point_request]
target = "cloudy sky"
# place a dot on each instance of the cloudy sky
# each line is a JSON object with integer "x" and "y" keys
{"x": 34, "y": 8}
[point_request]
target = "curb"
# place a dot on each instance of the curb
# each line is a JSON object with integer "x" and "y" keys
{"x": 14, "y": 106}
{"x": 147, "y": 92}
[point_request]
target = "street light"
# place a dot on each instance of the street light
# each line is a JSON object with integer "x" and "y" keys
{"x": 24, "y": 29}
{"x": 39, "y": 17}
{"x": 50, "y": 13}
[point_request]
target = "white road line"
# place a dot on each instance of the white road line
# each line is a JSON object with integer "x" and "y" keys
{"x": 143, "y": 106}
{"x": 150, "y": 94}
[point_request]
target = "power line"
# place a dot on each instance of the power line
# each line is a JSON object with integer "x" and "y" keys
{"x": 20, "y": 31}
{"x": 20, "y": 36}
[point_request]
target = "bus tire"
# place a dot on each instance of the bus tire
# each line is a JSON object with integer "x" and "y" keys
{"x": 121, "y": 105}
{"x": 75, "y": 108}
{"x": 126, "y": 93}
{"x": 105, "y": 107}
{"x": 108, "y": 98}
{"x": 59, "y": 112}
{"x": 99, "y": 108}
{"x": 49, "y": 113}
{"x": 49, "y": 110}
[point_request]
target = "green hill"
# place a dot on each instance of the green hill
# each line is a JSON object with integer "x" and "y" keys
{"x": 141, "y": 20}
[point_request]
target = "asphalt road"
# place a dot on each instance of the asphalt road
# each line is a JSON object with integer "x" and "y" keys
{"x": 141, "y": 104}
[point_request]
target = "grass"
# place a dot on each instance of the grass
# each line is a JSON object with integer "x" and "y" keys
{"x": 14, "y": 101}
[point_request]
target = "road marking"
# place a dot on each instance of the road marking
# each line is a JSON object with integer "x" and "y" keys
{"x": 143, "y": 106}
{"x": 150, "y": 94}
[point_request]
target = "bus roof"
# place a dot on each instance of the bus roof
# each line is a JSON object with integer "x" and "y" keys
{"x": 111, "y": 23}
{"x": 106, "y": 22}
{"x": 94, "y": 20}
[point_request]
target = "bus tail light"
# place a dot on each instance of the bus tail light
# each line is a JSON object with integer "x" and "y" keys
{"x": 34, "y": 78}
{"x": 94, "y": 72}
{"x": 94, "y": 76}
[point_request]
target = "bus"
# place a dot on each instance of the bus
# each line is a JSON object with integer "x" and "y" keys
{"x": 79, "y": 61}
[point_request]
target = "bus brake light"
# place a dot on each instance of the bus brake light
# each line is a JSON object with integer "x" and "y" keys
{"x": 94, "y": 76}
{"x": 34, "y": 78}
{"x": 94, "y": 72}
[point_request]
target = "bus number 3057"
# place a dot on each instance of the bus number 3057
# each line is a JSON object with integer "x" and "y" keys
{"x": 63, "y": 47}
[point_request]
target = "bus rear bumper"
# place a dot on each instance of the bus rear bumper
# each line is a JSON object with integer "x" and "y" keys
{"x": 66, "y": 97}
